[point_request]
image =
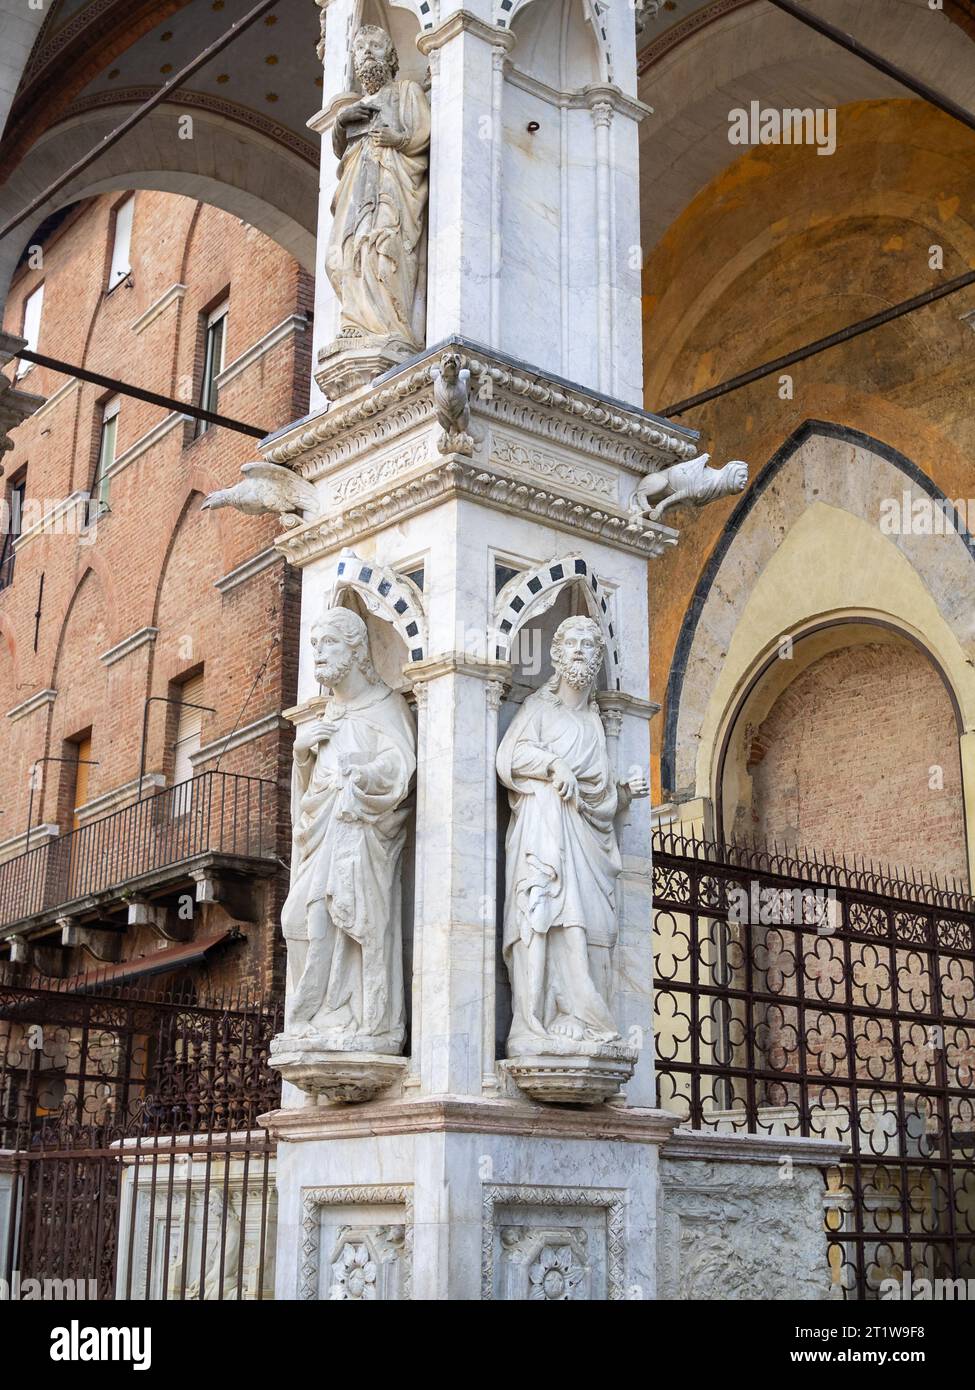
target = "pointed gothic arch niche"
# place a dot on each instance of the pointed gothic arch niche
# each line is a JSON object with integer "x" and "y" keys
{"x": 529, "y": 609}
{"x": 403, "y": 22}
{"x": 391, "y": 606}
{"x": 527, "y": 613}
{"x": 562, "y": 43}
{"x": 804, "y": 551}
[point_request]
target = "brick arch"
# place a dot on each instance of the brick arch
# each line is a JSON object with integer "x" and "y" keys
{"x": 276, "y": 189}
{"x": 200, "y": 482}
{"x": 196, "y": 606}
{"x": 96, "y": 567}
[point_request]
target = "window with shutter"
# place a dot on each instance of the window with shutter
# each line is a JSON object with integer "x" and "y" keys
{"x": 188, "y": 730}
{"x": 122, "y": 245}
{"x": 81, "y": 780}
{"x": 33, "y": 305}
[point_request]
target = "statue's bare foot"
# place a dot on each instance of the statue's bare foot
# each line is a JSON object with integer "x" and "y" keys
{"x": 301, "y": 1028}
{"x": 564, "y": 1026}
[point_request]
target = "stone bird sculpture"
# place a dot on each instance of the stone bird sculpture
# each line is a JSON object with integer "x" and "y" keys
{"x": 267, "y": 487}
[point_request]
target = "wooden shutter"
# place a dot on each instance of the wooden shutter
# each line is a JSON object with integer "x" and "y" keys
{"x": 188, "y": 730}
{"x": 81, "y": 780}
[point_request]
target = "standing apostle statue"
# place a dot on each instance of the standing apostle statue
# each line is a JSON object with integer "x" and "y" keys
{"x": 563, "y": 857}
{"x": 342, "y": 917}
{"x": 381, "y": 142}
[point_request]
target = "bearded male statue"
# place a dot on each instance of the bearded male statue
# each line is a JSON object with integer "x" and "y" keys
{"x": 382, "y": 143}
{"x": 341, "y": 919}
{"x": 563, "y": 857}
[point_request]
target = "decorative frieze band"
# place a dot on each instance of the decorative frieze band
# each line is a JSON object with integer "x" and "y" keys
{"x": 454, "y": 476}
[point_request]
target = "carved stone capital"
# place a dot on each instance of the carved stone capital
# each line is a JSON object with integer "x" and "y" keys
{"x": 458, "y": 664}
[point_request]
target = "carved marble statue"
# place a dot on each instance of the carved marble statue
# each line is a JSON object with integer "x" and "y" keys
{"x": 341, "y": 920}
{"x": 382, "y": 143}
{"x": 267, "y": 487}
{"x": 691, "y": 482}
{"x": 451, "y": 397}
{"x": 563, "y": 857}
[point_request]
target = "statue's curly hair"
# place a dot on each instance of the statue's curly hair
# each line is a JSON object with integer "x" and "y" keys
{"x": 392, "y": 57}
{"x": 579, "y": 620}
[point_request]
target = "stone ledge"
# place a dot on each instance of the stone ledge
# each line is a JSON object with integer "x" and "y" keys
{"x": 467, "y": 1115}
{"x": 752, "y": 1148}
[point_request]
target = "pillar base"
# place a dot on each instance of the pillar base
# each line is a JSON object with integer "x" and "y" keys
{"x": 453, "y": 1198}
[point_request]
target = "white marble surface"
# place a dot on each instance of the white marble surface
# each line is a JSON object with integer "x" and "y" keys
{"x": 460, "y": 1194}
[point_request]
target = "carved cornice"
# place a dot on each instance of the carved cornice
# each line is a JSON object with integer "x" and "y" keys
{"x": 461, "y": 1115}
{"x": 455, "y": 476}
{"x": 502, "y": 392}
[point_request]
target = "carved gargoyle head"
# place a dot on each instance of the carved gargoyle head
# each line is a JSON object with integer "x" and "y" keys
{"x": 450, "y": 367}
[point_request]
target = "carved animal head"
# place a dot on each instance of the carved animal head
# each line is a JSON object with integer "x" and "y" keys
{"x": 736, "y": 474}
{"x": 450, "y": 367}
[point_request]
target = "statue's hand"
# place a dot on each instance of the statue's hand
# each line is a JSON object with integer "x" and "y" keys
{"x": 388, "y": 139}
{"x": 357, "y": 111}
{"x": 564, "y": 780}
{"x": 313, "y": 733}
{"x": 638, "y": 785}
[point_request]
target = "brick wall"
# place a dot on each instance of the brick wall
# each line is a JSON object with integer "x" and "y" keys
{"x": 861, "y": 752}
{"x": 153, "y": 559}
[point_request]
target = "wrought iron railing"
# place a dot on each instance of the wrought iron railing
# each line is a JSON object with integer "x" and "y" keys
{"x": 132, "y": 1163}
{"x": 217, "y": 812}
{"x": 819, "y": 997}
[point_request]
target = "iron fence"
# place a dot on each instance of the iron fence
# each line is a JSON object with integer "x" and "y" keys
{"x": 131, "y": 1160}
{"x": 216, "y": 812}
{"x": 817, "y": 997}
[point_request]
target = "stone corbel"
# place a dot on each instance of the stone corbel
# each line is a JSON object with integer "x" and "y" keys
{"x": 103, "y": 945}
{"x": 142, "y": 913}
{"x": 20, "y": 950}
{"x": 226, "y": 891}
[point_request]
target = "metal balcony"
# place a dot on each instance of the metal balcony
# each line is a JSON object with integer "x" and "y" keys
{"x": 219, "y": 815}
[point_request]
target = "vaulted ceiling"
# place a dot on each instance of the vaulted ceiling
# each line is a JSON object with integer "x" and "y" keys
{"x": 88, "y": 62}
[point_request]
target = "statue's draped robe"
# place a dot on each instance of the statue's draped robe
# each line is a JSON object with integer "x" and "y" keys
{"x": 348, "y": 841}
{"x": 562, "y": 859}
{"x": 373, "y": 252}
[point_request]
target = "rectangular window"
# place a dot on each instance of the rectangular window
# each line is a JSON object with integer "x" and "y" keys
{"x": 13, "y": 522}
{"x": 106, "y": 454}
{"x": 122, "y": 245}
{"x": 31, "y": 330}
{"x": 81, "y": 779}
{"x": 213, "y": 361}
{"x": 189, "y": 733}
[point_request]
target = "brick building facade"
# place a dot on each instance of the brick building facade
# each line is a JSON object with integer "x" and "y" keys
{"x": 117, "y": 610}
